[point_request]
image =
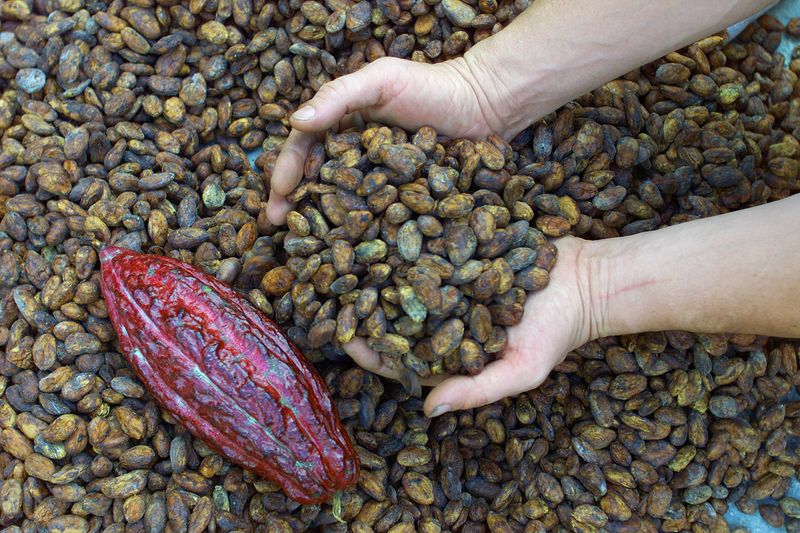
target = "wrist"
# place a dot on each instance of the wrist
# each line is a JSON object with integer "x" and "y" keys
{"x": 592, "y": 271}
{"x": 476, "y": 84}
{"x": 616, "y": 280}
{"x": 575, "y": 277}
{"x": 501, "y": 103}
{"x": 639, "y": 283}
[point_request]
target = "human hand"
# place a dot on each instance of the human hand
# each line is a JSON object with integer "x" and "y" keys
{"x": 628, "y": 285}
{"x": 448, "y": 96}
{"x": 557, "y": 319}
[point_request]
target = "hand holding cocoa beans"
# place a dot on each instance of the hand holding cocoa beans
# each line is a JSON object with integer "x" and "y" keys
{"x": 471, "y": 97}
{"x": 399, "y": 92}
{"x": 629, "y": 285}
{"x": 555, "y": 321}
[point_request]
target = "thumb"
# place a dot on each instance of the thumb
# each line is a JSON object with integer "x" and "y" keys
{"x": 498, "y": 380}
{"x": 342, "y": 96}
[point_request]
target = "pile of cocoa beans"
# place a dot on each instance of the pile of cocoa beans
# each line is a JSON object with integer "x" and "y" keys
{"x": 133, "y": 123}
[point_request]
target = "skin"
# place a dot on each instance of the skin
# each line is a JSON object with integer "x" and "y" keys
{"x": 732, "y": 273}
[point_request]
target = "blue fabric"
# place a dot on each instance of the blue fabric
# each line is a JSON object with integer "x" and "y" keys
{"x": 737, "y": 28}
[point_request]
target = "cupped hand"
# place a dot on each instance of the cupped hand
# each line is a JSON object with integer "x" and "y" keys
{"x": 451, "y": 98}
{"x": 447, "y": 96}
{"x": 557, "y": 319}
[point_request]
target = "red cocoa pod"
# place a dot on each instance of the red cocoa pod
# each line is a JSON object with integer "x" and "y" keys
{"x": 227, "y": 373}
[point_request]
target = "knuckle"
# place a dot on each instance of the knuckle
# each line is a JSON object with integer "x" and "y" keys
{"x": 332, "y": 89}
{"x": 385, "y": 62}
{"x": 287, "y": 161}
{"x": 296, "y": 151}
{"x": 283, "y": 183}
{"x": 480, "y": 395}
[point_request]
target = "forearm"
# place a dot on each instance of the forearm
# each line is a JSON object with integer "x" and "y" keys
{"x": 558, "y": 50}
{"x": 737, "y": 273}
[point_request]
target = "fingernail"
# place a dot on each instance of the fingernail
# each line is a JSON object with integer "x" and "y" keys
{"x": 440, "y": 410}
{"x": 304, "y": 113}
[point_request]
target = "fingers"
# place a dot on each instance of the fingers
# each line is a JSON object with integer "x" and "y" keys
{"x": 498, "y": 380}
{"x": 277, "y": 209}
{"x": 353, "y": 92}
{"x": 328, "y": 108}
{"x": 371, "y": 360}
{"x": 291, "y": 161}
{"x": 290, "y": 165}
{"x": 287, "y": 174}
{"x": 352, "y": 120}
